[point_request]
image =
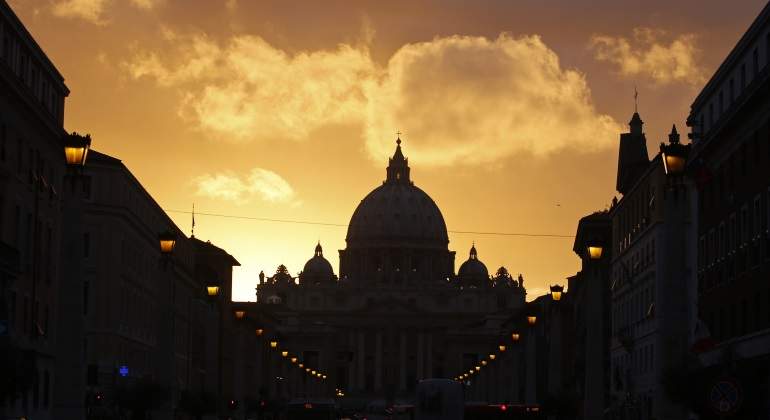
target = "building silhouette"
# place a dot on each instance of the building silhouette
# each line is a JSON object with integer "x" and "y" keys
{"x": 32, "y": 94}
{"x": 397, "y": 312}
{"x": 730, "y": 160}
{"x": 652, "y": 290}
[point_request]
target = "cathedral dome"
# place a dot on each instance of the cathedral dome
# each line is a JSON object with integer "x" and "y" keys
{"x": 317, "y": 268}
{"x": 397, "y": 213}
{"x": 473, "y": 272}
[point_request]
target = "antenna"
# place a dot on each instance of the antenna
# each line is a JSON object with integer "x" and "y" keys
{"x": 636, "y": 102}
{"x": 192, "y": 231}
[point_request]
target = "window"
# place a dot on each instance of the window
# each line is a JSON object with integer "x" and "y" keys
{"x": 755, "y": 58}
{"x": 46, "y": 388}
{"x": 85, "y": 297}
{"x": 721, "y": 103}
{"x": 3, "y": 141}
{"x": 767, "y": 49}
{"x": 743, "y": 76}
{"x": 19, "y": 157}
{"x": 86, "y": 245}
{"x": 86, "y": 185}
{"x": 25, "y": 315}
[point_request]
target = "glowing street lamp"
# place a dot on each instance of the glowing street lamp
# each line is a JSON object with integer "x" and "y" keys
{"x": 674, "y": 154}
{"x": 259, "y": 332}
{"x": 76, "y": 149}
{"x": 515, "y": 337}
{"x": 294, "y": 360}
{"x": 239, "y": 314}
{"x": 301, "y": 365}
{"x": 501, "y": 347}
{"x": 556, "y": 292}
{"x": 212, "y": 291}
{"x": 492, "y": 356}
{"x": 274, "y": 344}
{"x": 483, "y": 363}
{"x": 595, "y": 248}
{"x": 167, "y": 241}
{"x": 284, "y": 353}
{"x": 531, "y": 320}
{"x": 478, "y": 368}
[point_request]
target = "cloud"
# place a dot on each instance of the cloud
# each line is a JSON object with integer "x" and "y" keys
{"x": 652, "y": 54}
{"x": 262, "y": 183}
{"x": 89, "y": 10}
{"x": 458, "y": 99}
{"x": 474, "y": 100}
{"x": 145, "y": 4}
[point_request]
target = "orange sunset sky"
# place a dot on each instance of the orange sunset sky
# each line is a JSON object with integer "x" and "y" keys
{"x": 510, "y": 110}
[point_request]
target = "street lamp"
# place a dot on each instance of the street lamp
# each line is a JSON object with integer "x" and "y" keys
{"x": 674, "y": 154}
{"x": 212, "y": 291}
{"x": 595, "y": 248}
{"x": 478, "y": 368}
{"x": 501, "y": 347}
{"x": 167, "y": 241}
{"x": 76, "y": 149}
{"x": 259, "y": 332}
{"x": 492, "y": 356}
{"x": 294, "y": 360}
{"x": 556, "y": 291}
{"x": 531, "y": 320}
{"x": 483, "y": 363}
{"x": 301, "y": 365}
{"x": 273, "y": 344}
{"x": 515, "y": 337}
{"x": 284, "y": 353}
{"x": 240, "y": 314}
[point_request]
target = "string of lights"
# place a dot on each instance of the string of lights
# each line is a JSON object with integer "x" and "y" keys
{"x": 309, "y": 222}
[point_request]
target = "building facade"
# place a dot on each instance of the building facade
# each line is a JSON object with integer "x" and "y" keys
{"x": 397, "y": 312}
{"x": 652, "y": 286}
{"x": 729, "y": 122}
{"x": 147, "y": 315}
{"x": 32, "y": 94}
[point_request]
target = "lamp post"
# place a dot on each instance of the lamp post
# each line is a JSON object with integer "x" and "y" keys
{"x": 213, "y": 293}
{"x": 675, "y": 305}
{"x": 69, "y": 382}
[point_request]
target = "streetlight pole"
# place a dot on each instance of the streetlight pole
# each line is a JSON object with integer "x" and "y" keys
{"x": 69, "y": 380}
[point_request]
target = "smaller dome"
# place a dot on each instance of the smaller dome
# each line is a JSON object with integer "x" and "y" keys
{"x": 317, "y": 269}
{"x": 473, "y": 272}
{"x": 282, "y": 276}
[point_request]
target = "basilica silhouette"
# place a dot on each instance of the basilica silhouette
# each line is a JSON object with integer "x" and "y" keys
{"x": 397, "y": 312}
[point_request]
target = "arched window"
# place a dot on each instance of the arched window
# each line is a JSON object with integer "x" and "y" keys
{"x": 36, "y": 390}
{"x": 46, "y": 388}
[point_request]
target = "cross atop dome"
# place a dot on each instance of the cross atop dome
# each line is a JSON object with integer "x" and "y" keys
{"x": 318, "y": 250}
{"x": 398, "y": 166}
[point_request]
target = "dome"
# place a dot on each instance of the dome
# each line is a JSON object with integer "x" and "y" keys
{"x": 282, "y": 276}
{"x": 397, "y": 213}
{"x": 317, "y": 268}
{"x": 473, "y": 272}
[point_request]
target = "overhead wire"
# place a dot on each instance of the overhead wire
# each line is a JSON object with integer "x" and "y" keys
{"x": 310, "y": 222}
